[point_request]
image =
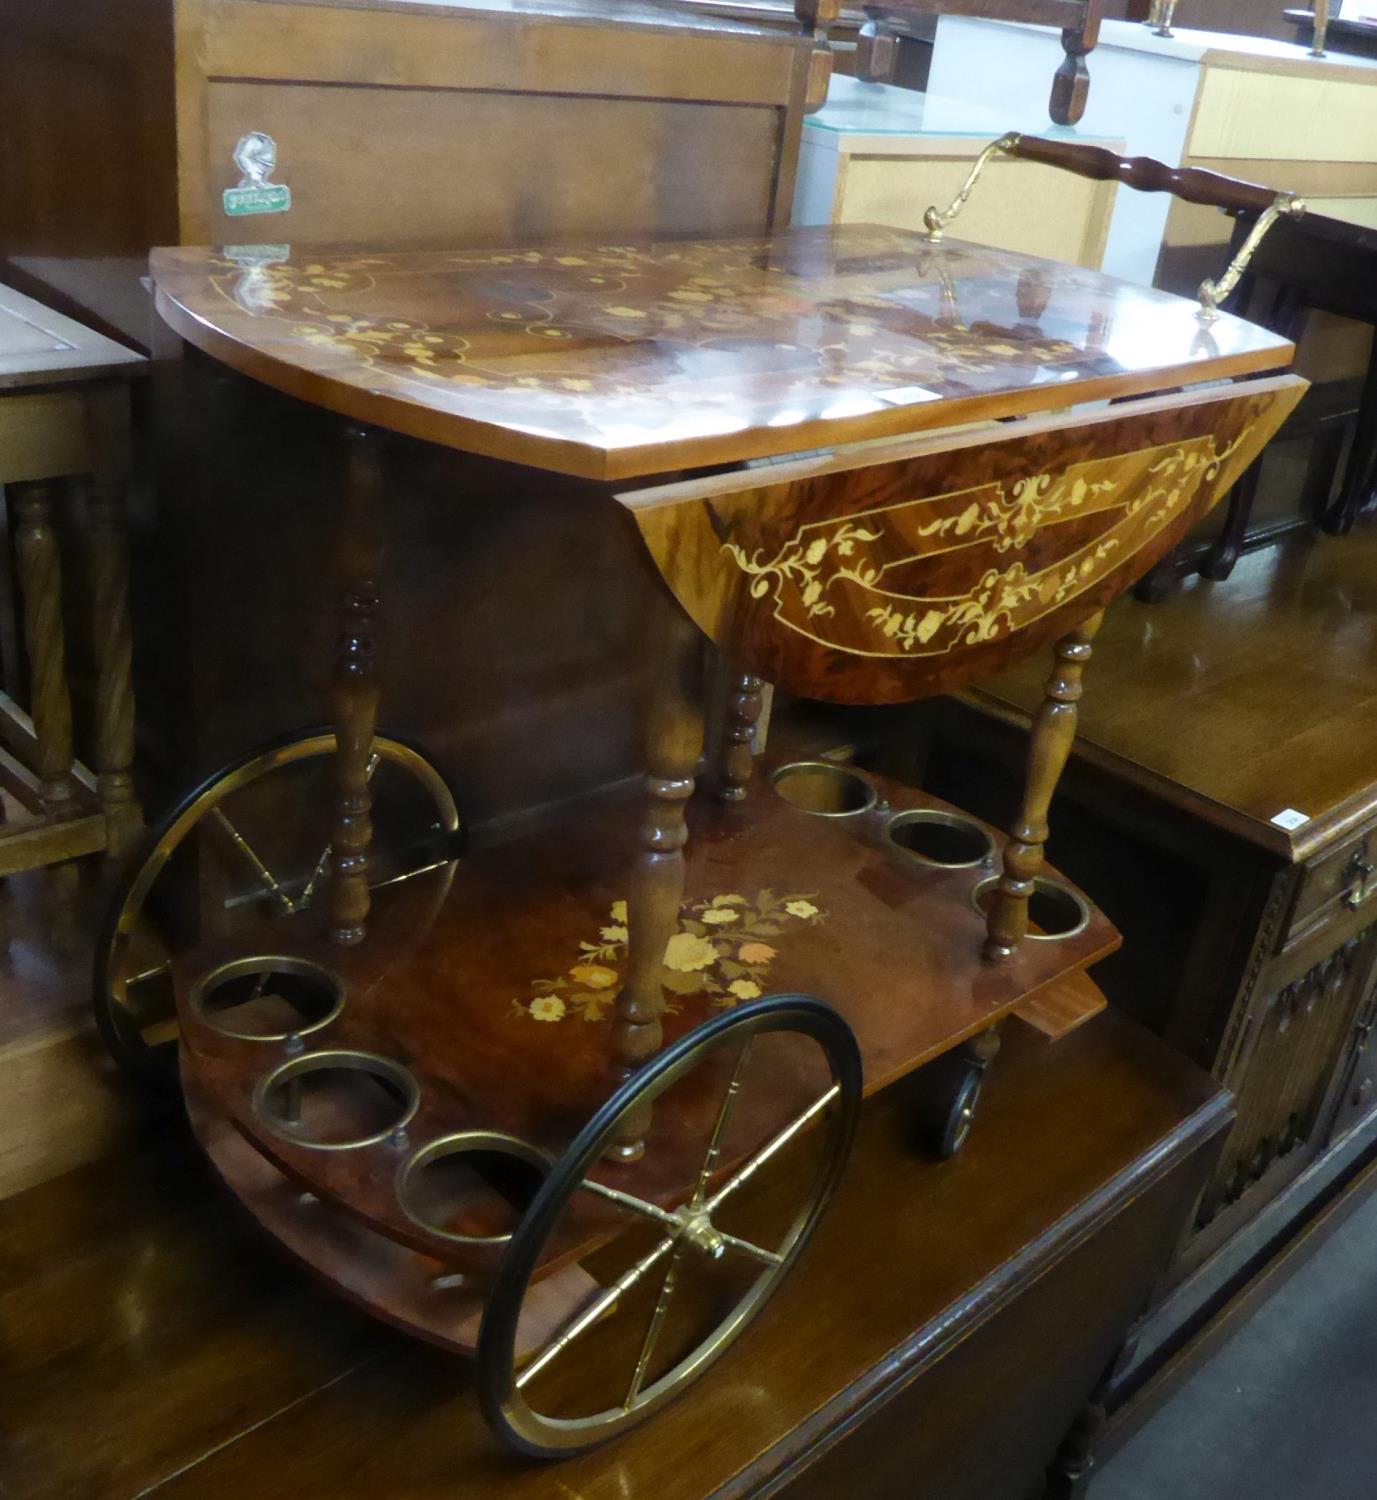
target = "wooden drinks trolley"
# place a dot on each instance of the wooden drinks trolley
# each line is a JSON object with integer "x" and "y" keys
{"x": 510, "y": 1101}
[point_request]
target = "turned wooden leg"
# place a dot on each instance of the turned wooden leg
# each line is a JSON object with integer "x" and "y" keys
{"x": 674, "y": 742}
{"x": 1285, "y": 315}
{"x": 1223, "y": 554}
{"x": 40, "y": 582}
{"x": 1054, "y": 729}
{"x": 1360, "y": 473}
{"x": 877, "y": 52}
{"x": 1071, "y": 81}
{"x": 1068, "y": 1478}
{"x": 1159, "y": 582}
{"x": 114, "y": 740}
{"x": 354, "y": 696}
{"x": 741, "y": 714}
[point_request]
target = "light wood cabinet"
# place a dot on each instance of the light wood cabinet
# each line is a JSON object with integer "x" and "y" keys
{"x": 881, "y": 155}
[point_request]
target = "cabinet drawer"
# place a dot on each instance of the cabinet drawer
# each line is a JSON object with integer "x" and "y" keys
{"x": 1334, "y": 886}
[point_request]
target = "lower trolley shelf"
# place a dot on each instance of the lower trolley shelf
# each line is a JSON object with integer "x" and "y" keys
{"x": 488, "y": 1007}
{"x": 427, "y": 1120}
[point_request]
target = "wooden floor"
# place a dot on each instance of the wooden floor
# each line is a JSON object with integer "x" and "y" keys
{"x": 151, "y": 1342}
{"x": 62, "y": 1102}
{"x": 46, "y": 967}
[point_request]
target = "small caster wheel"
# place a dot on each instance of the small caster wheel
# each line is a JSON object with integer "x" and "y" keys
{"x": 252, "y": 838}
{"x": 961, "y": 1115}
{"x": 684, "y": 1271}
{"x": 951, "y": 1094}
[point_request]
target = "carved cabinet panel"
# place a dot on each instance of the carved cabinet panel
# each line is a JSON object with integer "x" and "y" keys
{"x": 1357, "y": 1084}
{"x": 1285, "y": 1071}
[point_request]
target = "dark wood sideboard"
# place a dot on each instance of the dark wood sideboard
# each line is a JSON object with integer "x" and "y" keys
{"x": 1357, "y": 37}
{"x": 939, "y": 1336}
{"x": 1221, "y": 805}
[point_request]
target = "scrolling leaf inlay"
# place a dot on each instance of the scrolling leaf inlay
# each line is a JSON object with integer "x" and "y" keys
{"x": 855, "y": 555}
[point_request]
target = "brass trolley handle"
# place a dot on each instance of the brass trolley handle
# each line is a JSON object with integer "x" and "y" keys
{"x": 1212, "y": 293}
{"x": 1190, "y": 184}
{"x": 935, "y": 220}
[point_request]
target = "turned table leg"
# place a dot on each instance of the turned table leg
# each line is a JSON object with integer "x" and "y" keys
{"x": 673, "y": 745}
{"x": 741, "y": 713}
{"x": 108, "y": 561}
{"x": 1359, "y": 482}
{"x": 877, "y": 51}
{"x": 39, "y": 566}
{"x": 1071, "y": 82}
{"x": 40, "y": 583}
{"x": 1286, "y": 316}
{"x": 1068, "y": 1478}
{"x": 354, "y": 692}
{"x": 1054, "y": 729}
{"x": 114, "y": 738}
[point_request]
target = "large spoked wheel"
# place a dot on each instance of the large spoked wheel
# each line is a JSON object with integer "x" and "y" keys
{"x": 251, "y": 842}
{"x": 680, "y": 1278}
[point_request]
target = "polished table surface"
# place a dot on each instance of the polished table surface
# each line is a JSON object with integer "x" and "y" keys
{"x": 1289, "y": 644}
{"x": 621, "y": 360}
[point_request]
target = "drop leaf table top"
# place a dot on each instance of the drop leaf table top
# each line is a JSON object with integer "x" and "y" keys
{"x": 615, "y": 361}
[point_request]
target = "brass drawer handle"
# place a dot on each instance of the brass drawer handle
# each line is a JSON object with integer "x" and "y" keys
{"x": 1360, "y": 872}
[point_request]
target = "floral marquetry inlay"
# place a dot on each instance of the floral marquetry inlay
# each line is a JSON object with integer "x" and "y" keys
{"x": 724, "y": 949}
{"x": 886, "y": 578}
{"x": 840, "y": 582}
{"x": 619, "y": 359}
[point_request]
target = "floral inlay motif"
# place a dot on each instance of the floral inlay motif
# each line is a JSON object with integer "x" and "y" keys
{"x": 724, "y": 949}
{"x": 828, "y": 580}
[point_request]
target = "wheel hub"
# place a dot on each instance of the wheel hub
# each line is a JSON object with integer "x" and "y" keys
{"x": 696, "y": 1229}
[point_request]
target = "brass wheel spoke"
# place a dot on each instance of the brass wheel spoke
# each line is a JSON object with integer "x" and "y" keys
{"x": 322, "y": 864}
{"x": 435, "y": 864}
{"x": 636, "y": 1205}
{"x": 595, "y": 1310}
{"x": 266, "y": 877}
{"x": 719, "y": 1129}
{"x": 743, "y": 1174}
{"x": 144, "y": 975}
{"x": 652, "y": 1332}
{"x": 756, "y": 1252}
